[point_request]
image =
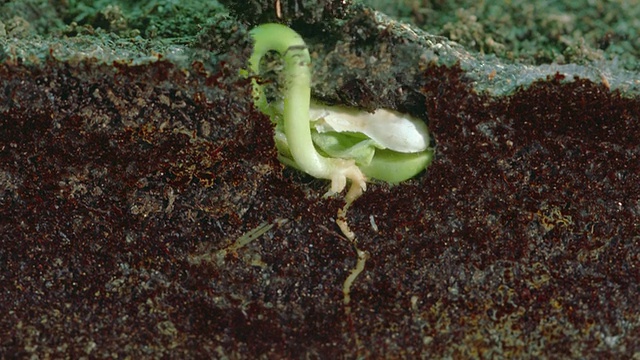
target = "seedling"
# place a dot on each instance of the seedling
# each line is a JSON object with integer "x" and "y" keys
{"x": 337, "y": 143}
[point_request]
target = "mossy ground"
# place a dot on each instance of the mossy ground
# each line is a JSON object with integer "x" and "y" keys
{"x": 532, "y": 32}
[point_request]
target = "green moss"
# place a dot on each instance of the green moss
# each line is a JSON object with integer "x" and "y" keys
{"x": 533, "y": 32}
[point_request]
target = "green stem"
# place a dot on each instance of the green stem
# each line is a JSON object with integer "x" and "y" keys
{"x": 297, "y": 96}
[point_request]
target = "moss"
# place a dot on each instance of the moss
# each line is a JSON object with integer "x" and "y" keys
{"x": 533, "y": 32}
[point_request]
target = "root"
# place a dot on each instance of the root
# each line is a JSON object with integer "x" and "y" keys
{"x": 346, "y": 286}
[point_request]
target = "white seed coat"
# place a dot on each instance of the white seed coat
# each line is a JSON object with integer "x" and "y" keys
{"x": 389, "y": 129}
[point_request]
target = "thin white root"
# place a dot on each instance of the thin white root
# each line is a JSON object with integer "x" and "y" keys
{"x": 358, "y": 186}
{"x": 346, "y": 287}
{"x": 342, "y": 223}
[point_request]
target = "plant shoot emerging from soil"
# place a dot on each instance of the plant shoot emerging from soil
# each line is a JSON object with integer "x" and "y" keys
{"x": 334, "y": 142}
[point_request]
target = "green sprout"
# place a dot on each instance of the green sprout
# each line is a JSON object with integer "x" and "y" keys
{"x": 334, "y": 142}
{"x": 337, "y": 143}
